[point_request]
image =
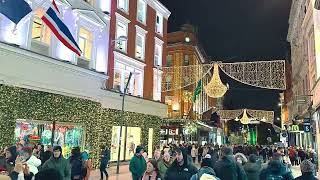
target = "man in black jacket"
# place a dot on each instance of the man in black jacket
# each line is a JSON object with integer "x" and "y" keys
{"x": 180, "y": 169}
{"x": 227, "y": 168}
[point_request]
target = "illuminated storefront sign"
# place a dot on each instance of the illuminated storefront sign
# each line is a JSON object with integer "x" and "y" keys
{"x": 294, "y": 128}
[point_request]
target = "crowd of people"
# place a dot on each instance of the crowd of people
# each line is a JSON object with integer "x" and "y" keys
{"x": 21, "y": 162}
{"x": 219, "y": 163}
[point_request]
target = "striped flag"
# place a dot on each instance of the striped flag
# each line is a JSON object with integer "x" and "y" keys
{"x": 197, "y": 91}
{"x": 59, "y": 29}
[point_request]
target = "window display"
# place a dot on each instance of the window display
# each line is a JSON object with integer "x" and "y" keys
{"x": 33, "y": 132}
{"x": 132, "y": 141}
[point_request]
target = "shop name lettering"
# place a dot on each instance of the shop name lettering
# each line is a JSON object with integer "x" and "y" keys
{"x": 294, "y": 128}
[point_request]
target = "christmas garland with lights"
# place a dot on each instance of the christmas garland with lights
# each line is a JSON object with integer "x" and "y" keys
{"x": 18, "y": 103}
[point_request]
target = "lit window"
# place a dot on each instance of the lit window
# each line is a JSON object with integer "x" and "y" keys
{"x": 158, "y": 55}
{"x": 169, "y": 60}
{"x": 186, "y": 60}
{"x": 117, "y": 80}
{"x": 159, "y": 24}
{"x": 40, "y": 31}
{"x": 140, "y": 45}
{"x": 85, "y": 43}
{"x": 123, "y": 5}
{"x": 122, "y": 30}
{"x": 157, "y": 84}
{"x": 141, "y": 11}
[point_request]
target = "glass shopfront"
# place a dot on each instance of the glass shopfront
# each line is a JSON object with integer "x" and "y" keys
{"x": 133, "y": 139}
{"x": 66, "y": 135}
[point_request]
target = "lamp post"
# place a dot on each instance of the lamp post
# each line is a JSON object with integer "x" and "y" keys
{"x": 122, "y": 120}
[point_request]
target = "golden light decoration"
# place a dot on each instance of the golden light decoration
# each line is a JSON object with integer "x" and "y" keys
{"x": 261, "y": 115}
{"x": 215, "y": 88}
{"x": 245, "y": 119}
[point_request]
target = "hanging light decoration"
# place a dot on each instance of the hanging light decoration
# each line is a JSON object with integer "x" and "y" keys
{"x": 215, "y": 88}
{"x": 245, "y": 119}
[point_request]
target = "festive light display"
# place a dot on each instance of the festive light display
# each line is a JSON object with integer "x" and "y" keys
{"x": 264, "y": 116}
{"x": 215, "y": 88}
{"x": 245, "y": 119}
{"x": 17, "y": 103}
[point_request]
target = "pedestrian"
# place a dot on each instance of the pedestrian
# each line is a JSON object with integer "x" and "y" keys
{"x": 194, "y": 153}
{"x": 105, "y": 158}
{"x": 164, "y": 164}
{"x": 252, "y": 168}
{"x": 227, "y": 168}
{"x": 307, "y": 171}
{"x": 88, "y": 162}
{"x": 276, "y": 169}
{"x": 47, "y": 154}
{"x": 181, "y": 168}
{"x": 49, "y": 174}
{"x": 32, "y": 161}
{"x": 145, "y": 156}
{"x": 200, "y": 151}
{"x": 206, "y": 171}
{"x": 157, "y": 155}
{"x": 138, "y": 164}
{"x": 152, "y": 172}
{"x": 58, "y": 162}
{"x": 11, "y": 155}
{"x": 78, "y": 169}
{"x": 241, "y": 158}
{"x": 21, "y": 171}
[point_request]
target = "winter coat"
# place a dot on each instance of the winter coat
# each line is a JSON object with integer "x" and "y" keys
{"x": 194, "y": 152}
{"x": 105, "y": 158}
{"x": 177, "y": 172}
{"x": 306, "y": 176}
{"x": 60, "y": 164}
{"x": 46, "y": 156}
{"x": 202, "y": 171}
{"x": 137, "y": 167}
{"x": 228, "y": 169}
{"x": 77, "y": 166}
{"x": 276, "y": 168}
{"x": 162, "y": 166}
{"x": 252, "y": 170}
{"x": 33, "y": 164}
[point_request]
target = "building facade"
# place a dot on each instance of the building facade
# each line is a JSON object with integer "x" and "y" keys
{"x": 183, "y": 50}
{"x": 47, "y": 90}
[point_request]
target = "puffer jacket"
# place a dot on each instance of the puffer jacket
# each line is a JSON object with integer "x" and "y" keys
{"x": 228, "y": 169}
{"x": 252, "y": 170}
{"x": 276, "y": 168}
{"x": 33, "y": 164}
{"x": 205, "y": 170}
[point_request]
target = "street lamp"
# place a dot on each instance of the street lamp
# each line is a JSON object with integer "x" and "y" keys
{"x": 122, "y": 120}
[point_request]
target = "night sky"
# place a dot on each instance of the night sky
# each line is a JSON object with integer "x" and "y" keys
{"x": 233, "y": 31}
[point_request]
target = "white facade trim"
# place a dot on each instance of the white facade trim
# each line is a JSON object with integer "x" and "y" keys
{"x": 122, "y": 18}
{"x": 140, "y": 30}
{"x": 128, "y": 60}
{"x": 159, "y": 7}
{"x": 158, "y": 41}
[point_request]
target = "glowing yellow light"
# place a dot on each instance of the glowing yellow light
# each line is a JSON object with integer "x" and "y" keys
{"x": 215, "y": 88}
{"x": 245, "y": 119}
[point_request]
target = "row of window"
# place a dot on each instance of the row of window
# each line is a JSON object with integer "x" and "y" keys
{"x": 123, "y": 5}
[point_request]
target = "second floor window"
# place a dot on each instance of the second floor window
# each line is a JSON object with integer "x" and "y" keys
{"x": 141, "y": 11}
{"x": 159, "y": 24}
{"x": 140, "y": 44}
{"x": 85, "y": 43}
{"x": 40, "y": 32}
{"x": 158, "y": 55}
{"x": 122, "y": 30}
{"x": 123, "y": 5}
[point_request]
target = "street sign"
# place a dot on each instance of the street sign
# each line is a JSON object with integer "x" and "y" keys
{"x": 307, "y": 127}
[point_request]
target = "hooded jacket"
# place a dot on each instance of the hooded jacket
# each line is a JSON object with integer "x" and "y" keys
{"x": 275, "y": 167}
{"x": 252, "y": 170}
{"x": 138, "y": 166}
{"x": 228, "y": 169}
{"x": 177, "y": 172}
{"x": 33, "y": 164}
{"x": 204, "y": 170}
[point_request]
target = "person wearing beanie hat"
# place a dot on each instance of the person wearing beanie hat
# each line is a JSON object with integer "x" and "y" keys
{"x": 138, "y": 164}
{"x": 307, "y": 170}
{"x": 206, "y": 171}
{"x": 252, "y": 168}
{"x": 58, "y": 162}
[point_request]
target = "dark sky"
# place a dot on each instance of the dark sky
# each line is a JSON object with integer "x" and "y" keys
{"x": 238, "y": 30}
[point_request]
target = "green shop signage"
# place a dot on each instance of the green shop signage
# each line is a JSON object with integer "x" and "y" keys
{"x": 294, "y": 128}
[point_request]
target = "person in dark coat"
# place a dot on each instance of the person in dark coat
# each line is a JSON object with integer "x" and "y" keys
{"x": 49, "y": 174}
{"x": 138, "y": 164}
{"x": 206, "y": 171}
{"x": 11, "y": 155}
{"x": 276, "y": 169}
{"x": 47, "y": 154}
{"x": 227, "y": 168}
{"x": 307, "y": 170}
{"x": 181, "y": 168}
{"x": 200, "y": 151}
{"x": 252, "y": 168}
{"x": 77, "y": 164}
{"x": 105, "y": 158}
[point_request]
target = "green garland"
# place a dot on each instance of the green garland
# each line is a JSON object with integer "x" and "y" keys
{"x": 19, "y": 103}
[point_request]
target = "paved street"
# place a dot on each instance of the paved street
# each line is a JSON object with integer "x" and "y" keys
{"x": 125, "y": 174}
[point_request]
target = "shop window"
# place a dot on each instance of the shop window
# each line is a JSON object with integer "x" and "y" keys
{"x": 169, "y": 60}
{"x": 159, "y": 24}
{"x": 122, "y": 31}
{"x": 123, "y": 5}
{"x": 40, "y": 32}
{"x": 85, "y": 43}
{"x": 158, "y": 55}
{"x": 141, "y": 11}
{"x": 140, "y": 46}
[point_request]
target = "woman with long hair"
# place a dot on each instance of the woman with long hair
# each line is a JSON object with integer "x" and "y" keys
{"x": 152, "y": 172}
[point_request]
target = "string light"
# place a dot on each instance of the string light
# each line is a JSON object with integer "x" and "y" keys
{"x": 215, "y": 88}
{"x": 260, "y": 115}
{"x": 245, "y": 119}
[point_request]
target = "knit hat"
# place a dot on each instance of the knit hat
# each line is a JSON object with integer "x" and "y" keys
{"x": 138, "y": 149}
{"x": 252, "y": 158}
{"x": 306, "y": 166}
{"x": 57, "y": 148}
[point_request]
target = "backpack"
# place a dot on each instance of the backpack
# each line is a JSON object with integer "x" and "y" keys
{"x": 274, "y": 177}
